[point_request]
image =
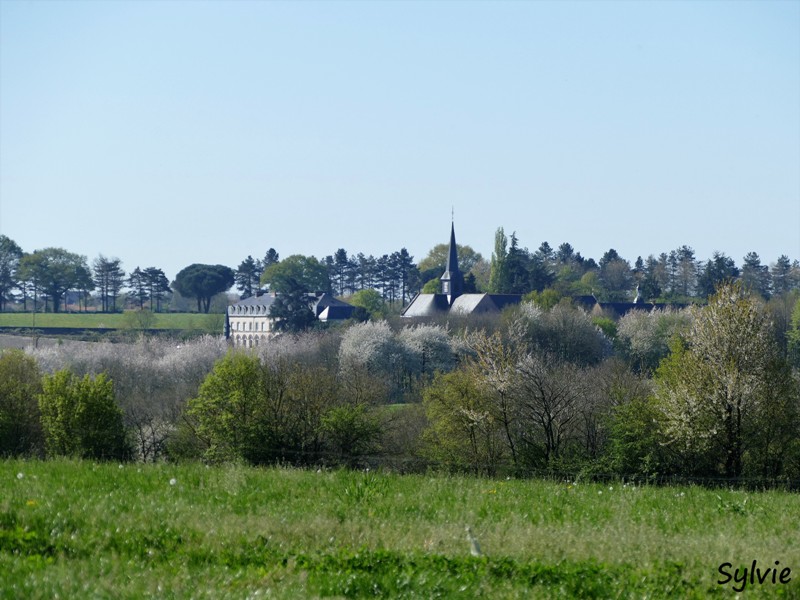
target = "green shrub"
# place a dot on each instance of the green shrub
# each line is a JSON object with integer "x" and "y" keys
{"x": 80, "y": 417}
{"x": 20, "y": 384}
{"x": 351, "y": 431}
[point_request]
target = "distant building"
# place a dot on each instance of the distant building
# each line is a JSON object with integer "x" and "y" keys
{"x": 619, "y": 309}
{"x": 452, "y": 299}
{"x": 248, "y": 324}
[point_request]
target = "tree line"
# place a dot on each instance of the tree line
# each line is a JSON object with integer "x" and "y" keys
{"x": 707, "y": 391}
{"x": 43, "y": 278}
{"x": 677, "y": 276}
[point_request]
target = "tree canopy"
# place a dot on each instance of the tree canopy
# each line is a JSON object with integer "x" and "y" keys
{"x": 726, "y": 391}
{"x": 53, "y": 272}
{"x": 10, "y": 253}
{"x": 297, "y": 270}
{"x": 203, "y": 282}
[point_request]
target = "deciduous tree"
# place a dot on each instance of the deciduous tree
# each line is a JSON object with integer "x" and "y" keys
{"x": 20, "y": 385}
{"x": 722, "y": 390}
{"x": 81, "y": 419}
{"x": 305, "y": 271}
{"x": 498, "y": 278}
{"x": 53, "y": 271}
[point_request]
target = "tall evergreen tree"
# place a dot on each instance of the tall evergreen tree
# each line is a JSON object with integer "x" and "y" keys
{"x": 10, "y": 253}
{"x": 339, "y": 267}
{"x": 137, "y": 282}
{"x": 781, "y": 273}
{"x": 755, "y": 276}
{"x": 291, "y": 308}
{"x": 157, "y": 286}
{"x": 517, "y": 266}
{"x": 649, "y": 288}
{"x": 109, "y": 279}
{"x": 248, "y": 276}
{"x": 405, "y": 272}
{"x": 718, "y": 270}
{"x": 686, "y": 272}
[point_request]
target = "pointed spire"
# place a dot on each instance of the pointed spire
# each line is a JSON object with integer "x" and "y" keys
{"x": 452, "y": 253}
{"x": 452, "y": 279}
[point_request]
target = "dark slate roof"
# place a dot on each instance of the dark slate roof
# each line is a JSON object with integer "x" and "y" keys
{"x": 426, "y": 305}
{"x": 336, "y": 312}
{"x": 621, "y": 308}
{"x": 431, "y": 305}
{"x": 263, "y": 300}
{"x": 503, "y": 300}
{"x": 318, "y": 301}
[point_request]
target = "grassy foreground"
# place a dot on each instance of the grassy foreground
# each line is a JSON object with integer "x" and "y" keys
{"x": 82, "y": 530}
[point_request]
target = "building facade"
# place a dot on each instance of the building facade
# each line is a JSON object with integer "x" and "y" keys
{"x": 248, "y": 324}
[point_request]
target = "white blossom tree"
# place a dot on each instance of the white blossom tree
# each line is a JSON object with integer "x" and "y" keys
{"x": 723, "y": 388}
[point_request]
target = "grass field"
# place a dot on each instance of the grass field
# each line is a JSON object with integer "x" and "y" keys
{"x": 81, "y": 530}
{"x": 187, "y": 321}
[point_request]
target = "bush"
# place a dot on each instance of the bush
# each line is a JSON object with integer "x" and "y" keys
{"x": 351, "y": 431}
{"x": 80, "y": 418}
{"x": 564, "y": 331}
{"x": 153, "y": 378}
{"x": 20, "y": 384}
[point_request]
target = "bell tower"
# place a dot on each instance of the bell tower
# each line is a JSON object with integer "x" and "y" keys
{"x": 452, "y": 280}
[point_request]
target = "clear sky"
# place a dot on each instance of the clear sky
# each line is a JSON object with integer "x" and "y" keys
{"x": 169, "y": 133}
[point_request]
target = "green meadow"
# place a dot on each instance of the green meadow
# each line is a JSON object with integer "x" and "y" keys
{"x": 73, "y": 529}
{"x": 187, "y": 321}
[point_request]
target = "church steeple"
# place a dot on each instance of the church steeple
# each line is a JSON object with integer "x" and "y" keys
{"x": 452, "y": 279}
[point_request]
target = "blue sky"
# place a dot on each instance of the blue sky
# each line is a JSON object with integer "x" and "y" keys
{"x": 168, "y": 133}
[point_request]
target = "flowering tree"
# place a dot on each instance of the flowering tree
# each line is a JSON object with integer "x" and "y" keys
{"x": 644, "y": 336}
{"x": 153, "y": 379}
{"x": 726, "y": 392}
{"x": 463, "y": 433}
{"x": 564, "y": 331}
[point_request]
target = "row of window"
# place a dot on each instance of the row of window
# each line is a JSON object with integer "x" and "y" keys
{"x": 240, "y": 326}
{"x": 248, "y": 310}
{"x": 249, "y": 341}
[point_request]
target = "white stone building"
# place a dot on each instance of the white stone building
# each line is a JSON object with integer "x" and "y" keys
{"x": 249, "y": 325}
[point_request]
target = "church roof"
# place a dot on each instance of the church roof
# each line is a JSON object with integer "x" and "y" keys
{"x": 426, "y": 305}
{"x": 431, "y": 305}
{"x": 468, "y": 304}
